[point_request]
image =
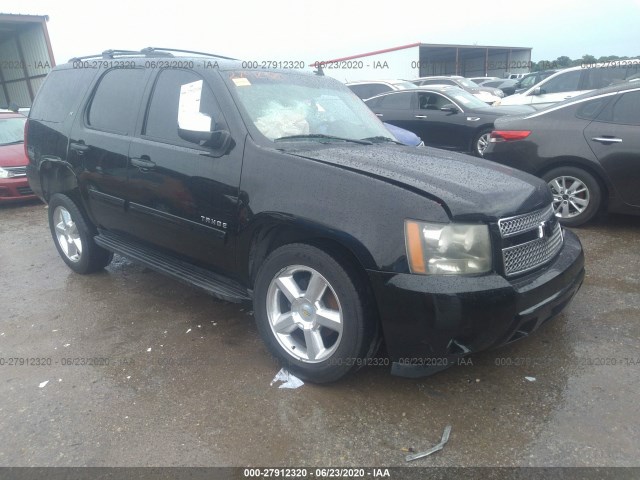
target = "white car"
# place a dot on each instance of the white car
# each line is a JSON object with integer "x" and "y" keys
{"x": 573, "y": 81}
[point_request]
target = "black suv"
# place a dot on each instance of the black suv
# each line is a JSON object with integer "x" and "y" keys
{"x": 282, "y": 188}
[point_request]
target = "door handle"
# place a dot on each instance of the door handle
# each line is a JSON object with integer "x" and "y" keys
{"x": 420, "y": 116}
{"x": 607, "y": 139}
{"x": 79, "y": 147}
{"x": 144, "y": 163}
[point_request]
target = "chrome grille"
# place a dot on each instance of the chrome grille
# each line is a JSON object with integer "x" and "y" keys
{"x": 529, "y": 255}
{"x": 522, "y": 223}
{"x": 17, "y": 171}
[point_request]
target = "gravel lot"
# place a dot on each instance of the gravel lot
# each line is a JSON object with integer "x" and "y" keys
{"x": 188, "y": 379}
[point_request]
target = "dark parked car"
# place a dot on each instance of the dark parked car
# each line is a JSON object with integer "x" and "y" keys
{"x": 533, "y": 78}
{"x": 487, "y": 95}
{"x": 13, "y": 161}
{"x": 368, "y": 89}
{"x": 586, "y": 148}
{"x": 444, "y": 117}
{"x": 507, "y": 85}
{"x": 282, "y": 189}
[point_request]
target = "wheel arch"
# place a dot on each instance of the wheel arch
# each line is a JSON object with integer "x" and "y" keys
{"x": 57, "y": 176}
{"x": 271, "y": 233}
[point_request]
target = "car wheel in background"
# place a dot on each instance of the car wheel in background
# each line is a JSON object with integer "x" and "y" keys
{"x": 576, "y": 195}
{"x": 481, "y": 142}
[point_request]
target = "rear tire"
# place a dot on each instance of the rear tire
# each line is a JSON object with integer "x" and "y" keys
{"x": 73, "y": 237}
{"x": 577, "y": 195}
{"x": 313, "y": 313}
{"x": 481, "y": 142}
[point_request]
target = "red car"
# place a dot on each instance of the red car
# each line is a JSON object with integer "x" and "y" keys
{"x": 13, "y": 161}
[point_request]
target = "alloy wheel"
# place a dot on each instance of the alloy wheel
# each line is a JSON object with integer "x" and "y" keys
{"x": 67, "y": 234}
{"x": 304, "y": 313}
{"x": 570, "y": 196}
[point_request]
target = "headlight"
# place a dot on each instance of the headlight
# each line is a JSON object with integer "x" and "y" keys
{"x": 447, "y": 249}
{"x": 5, "y": 173}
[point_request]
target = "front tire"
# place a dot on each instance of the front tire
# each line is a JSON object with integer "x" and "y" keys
{"x": 576, "y": 195}
{"x": 74, "y": 238}
{"x": 312, "y": 312}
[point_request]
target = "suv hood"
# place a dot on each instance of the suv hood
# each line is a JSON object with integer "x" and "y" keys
{"x": 470, "y": 189}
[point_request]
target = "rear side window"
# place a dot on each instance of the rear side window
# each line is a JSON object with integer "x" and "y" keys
{"x": 57, "y": 97}
{"x": 624, "y": 110}
{"x": 565, "y": 82}
{"x": 400, "y": 101}
{"x": 600, "y": 77}
{"x": 627, "y": 109}
{"x": 115, "y": 103}
{"x": 589, "y": 110}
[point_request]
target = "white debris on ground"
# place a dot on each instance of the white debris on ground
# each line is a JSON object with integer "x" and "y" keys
{"x": 149, "y": 349}
{"x": 188, "y": 331}
{"x": 531, "y": 379}
{"x": 289, "y": 380}
{"x": 43, "y": 384}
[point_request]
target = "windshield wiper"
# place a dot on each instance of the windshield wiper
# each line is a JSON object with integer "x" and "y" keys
{"x": 323, "y": 136}
{"x": 13, "y": 143}
{"x": 381, "y": 138}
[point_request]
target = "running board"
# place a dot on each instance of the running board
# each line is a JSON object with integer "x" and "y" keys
{"x": 214, "y": 284}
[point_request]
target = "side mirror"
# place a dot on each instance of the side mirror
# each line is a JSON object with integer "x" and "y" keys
{"x": 449, "y": 107}
{"x": 537, "y": 91}
{"x": 219, "y": 140}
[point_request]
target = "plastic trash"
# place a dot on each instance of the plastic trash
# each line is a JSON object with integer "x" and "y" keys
{"x": 289, "y": 380}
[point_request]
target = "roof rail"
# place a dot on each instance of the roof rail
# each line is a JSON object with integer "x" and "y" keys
{"x": 110, "y": 54}
{"x": 160, "y": 50}
{"x": 147, "y": 52}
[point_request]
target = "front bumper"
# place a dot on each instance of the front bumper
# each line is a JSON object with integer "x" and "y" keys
{"x": 430, "y": 322}
{"x": 13, "y": 189}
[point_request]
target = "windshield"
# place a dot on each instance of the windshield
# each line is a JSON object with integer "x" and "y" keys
{"x": 465, "y": 99}
{"x": 11, "y": 130}
{"x": 465, "y": 82}
{"x": 529, "y": 81}
{"x": 404, "y": 85}
{"x": 284, "y": 105}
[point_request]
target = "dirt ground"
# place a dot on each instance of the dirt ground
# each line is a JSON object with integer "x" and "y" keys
{"x": 181, "y": 379}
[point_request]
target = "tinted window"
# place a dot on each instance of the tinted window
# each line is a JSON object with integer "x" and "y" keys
{"x": 115, "y": 104}
{"x": 603, "y": 77}
{"x": 627, "y": 109}
{"x": 589, "y": 110}
{"x": 398, "y": 100}
{"x": 566, "y": 82}
{"x": 432, "y": 101}
{"x": 369, "y": 90}
{"x": 162, "y": 115}
{"x": 58, "y": 95}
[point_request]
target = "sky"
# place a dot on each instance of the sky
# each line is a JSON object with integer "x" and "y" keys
{"x": 287, "y": 30}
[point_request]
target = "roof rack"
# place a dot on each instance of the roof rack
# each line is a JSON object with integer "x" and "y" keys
{"x": 147, "y": 52}
{"x": 161, "y": 50}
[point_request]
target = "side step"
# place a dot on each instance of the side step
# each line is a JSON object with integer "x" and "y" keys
{"x": 214, "y": 284}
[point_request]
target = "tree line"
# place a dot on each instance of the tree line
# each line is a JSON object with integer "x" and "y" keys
{"x": 565, "y": 62}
